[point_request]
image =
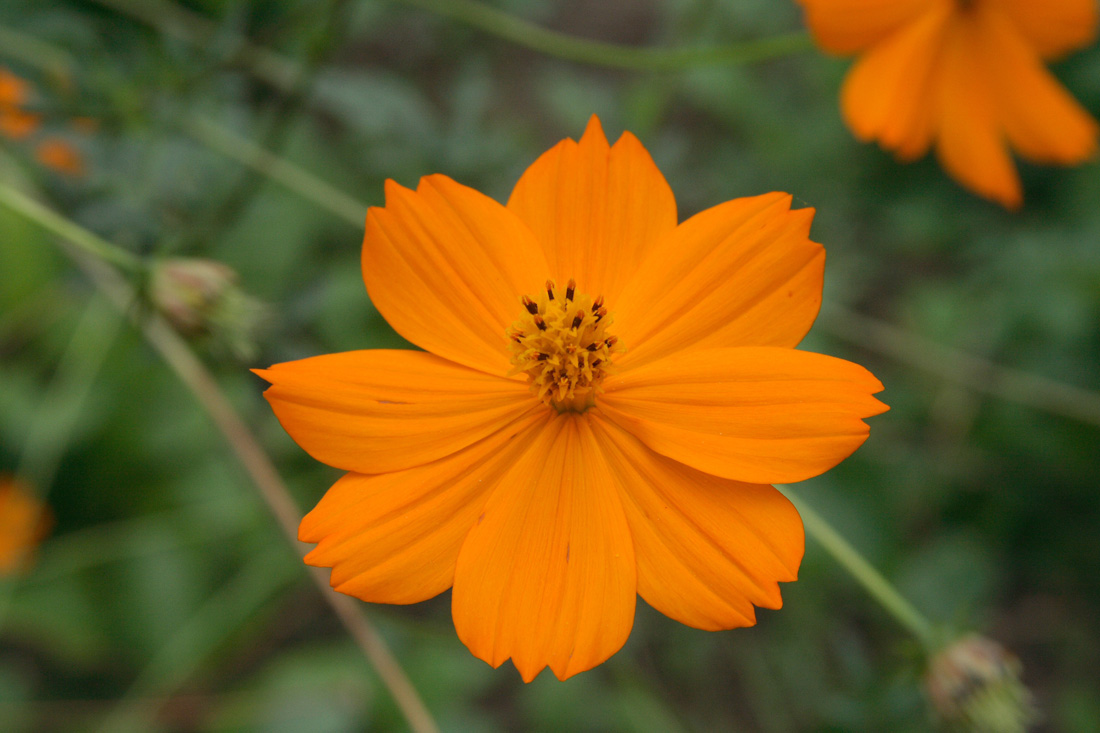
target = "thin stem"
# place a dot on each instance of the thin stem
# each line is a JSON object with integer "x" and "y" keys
{"x": 980, "y": 375}
{"x": 582, "y": 50}
{"x": 198, "y": 30}
{"x": 227, "y": 610}
{"x": 68, "y": 230}
{"x": 175, "y": 351}
{"x": 33, "y": 52}
{"x": 278, "y": 169}
{"x": 864, "y": 573}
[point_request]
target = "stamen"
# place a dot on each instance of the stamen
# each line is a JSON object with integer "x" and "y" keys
{"x": 562, "y": 344}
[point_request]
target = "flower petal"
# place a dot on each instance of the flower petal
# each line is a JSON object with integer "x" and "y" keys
{"x": 547, "y": 574}
{"x": 446, "y": 266}
{"x": 596, "y": 209}
{"x": 382, "y": 410}
{"x": 1053, "y": 27}
{"x": 847, "y": 26}
{"x": 886, "y": 95}
{"x": 755, "y": 414}
{"x": 970, "y": 143}
{"x": 395, "y": 537}
{"x": 1042, "y": 120}
{"x": 708, "y": 549}
{"x": 741, "y": 273}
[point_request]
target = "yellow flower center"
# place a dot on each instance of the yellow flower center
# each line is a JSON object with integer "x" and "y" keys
{"x": 563, "y": 346}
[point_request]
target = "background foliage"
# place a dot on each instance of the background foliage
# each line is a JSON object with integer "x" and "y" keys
{"x": 166, "y": 597}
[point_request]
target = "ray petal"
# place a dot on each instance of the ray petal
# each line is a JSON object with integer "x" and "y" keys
{"x": 754, "y": 414}
{"x": 546, "y": 576}
{"x": 386, "y": 410}
{"x": 446, "y": 266}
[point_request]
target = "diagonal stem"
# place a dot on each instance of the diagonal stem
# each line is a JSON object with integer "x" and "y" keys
{"x": 632, "y": 58}
{"x": 874, "y": 582}
{"x": 178, "y": 355}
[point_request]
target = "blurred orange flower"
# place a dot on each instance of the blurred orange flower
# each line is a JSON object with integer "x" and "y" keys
{"x": 61, "y": 156}
{"x": 14, "y": 122}
{"x": 967, "y": 75}
{"x": 24, "y": 523}
{"x": 553, "y": 454}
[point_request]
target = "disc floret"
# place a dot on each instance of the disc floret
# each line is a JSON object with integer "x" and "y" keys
{"x": 562, "y": 344}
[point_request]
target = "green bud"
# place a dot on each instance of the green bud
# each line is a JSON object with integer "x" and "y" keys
{"x": 974, "y": 685}
{"x": 201, "y": 298}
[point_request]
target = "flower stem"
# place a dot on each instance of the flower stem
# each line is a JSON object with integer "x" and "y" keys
{"x": 864, "y": 573}
{"x": 191, "y": 371}
{"x": 295, "y": 178}
{"x": 68, "y": 230}
{"x": 973, "y": 372}
{"x": 582, "y": 50}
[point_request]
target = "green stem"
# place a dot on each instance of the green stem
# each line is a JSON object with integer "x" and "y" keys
{"x": 973, "y": 372}
{"x": 278, "y": 169}
{"x": 864, "y": 573}
{"x": 198, "y": 379}
{"x": 33, "y": 52}
{"x": 223, "y": 613}
{"x": 68, "y": 230}
{"x": 571, "y": 48}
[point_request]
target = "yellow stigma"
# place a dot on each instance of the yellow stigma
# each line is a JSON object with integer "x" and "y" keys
{"x": 562, "y": 344}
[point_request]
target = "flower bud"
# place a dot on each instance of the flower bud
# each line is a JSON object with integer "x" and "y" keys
{"x": 974, "y": 685}
{"x": 201, "y": 298}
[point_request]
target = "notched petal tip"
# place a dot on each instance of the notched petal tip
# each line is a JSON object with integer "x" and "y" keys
{"x": 594, "y": 134}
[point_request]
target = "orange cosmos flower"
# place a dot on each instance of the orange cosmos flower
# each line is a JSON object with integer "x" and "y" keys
{"x": 604, "y": 398}
{"x": 61, "y": 156}
{"x": 966, "y": 75}
{"x": 14, "y": 122}
{"x": 24, "y": 522}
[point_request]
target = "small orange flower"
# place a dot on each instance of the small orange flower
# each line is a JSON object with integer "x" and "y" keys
{"x": 14, "y": 122}
{"x": 24, "y": 522}
{"x": 61, "y": 156}
{"x": 967, "y": 75}
{"x": 604, "y": 398}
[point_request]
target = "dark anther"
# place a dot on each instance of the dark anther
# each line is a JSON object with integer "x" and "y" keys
{"x": 531, "y": 306}
{"x": 540, "y": 323}
{"x": 542, "y": 357}
{"x": 517, "y": 337}
{"x": 593, "y": 346}
{"x": 550, "y": 289}
{"x": 596, "y": 363}
{"x": 611, "y": 341}
{"x": 597, "y": 303}
{"x": 569, "y": 288}
{"x": 600, "y": 314}
{"x": 577, "y": 319}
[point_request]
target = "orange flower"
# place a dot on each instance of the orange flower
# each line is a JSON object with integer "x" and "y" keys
{"x": 24, "y": 522}
{"x": 553, "y": 454}
{"x": 14, "y": 122}
{"x": 967, "y": 75}
{"x": 61, "y": 156}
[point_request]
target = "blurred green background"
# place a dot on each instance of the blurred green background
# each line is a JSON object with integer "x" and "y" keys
{"x": 166, "y": 598}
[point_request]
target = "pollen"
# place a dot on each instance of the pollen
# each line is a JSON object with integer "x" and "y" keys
{"x": 562, "y": 344}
